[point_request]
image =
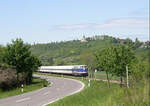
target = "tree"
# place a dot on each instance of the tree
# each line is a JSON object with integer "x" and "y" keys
{"x": 123, "y": 56}
{"x": 114, "y": 59}
{"x": 19, "y": 56}
{"x": 1, "y": 50}
{"x": 105, "y": 59}
{"x": 32, "y": 63}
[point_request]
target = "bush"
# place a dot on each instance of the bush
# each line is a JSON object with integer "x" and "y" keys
{"x": 45, "y": 83}
{"x": 8, "y": 79}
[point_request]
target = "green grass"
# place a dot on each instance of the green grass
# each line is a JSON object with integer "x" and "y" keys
{"x": 137, "y": 95}
{"x": 37, "y": 84}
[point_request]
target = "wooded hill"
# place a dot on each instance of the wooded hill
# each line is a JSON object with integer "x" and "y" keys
{"x": 69, "y": 52}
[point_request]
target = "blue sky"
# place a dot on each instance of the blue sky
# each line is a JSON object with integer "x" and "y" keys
{"x": 43, "y": 21}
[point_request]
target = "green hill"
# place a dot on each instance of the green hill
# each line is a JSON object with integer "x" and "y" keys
{"x": 68, "y": 52}
{"x": 60, "y": 53}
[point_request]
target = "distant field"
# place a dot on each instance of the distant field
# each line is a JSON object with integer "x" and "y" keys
{"x": 102, "y": 75}
{"x": 37, "y": 84}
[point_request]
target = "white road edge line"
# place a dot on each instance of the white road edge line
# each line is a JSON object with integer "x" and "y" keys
{"x": 68, "y": 94}
{"x": 24, "y": 99}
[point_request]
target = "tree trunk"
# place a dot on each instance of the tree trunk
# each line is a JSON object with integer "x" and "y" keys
{"x": 108, "y": 80}
{"x": 121, "y": 80}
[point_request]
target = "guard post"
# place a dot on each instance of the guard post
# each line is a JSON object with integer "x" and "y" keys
{"x": 89, "y": 83}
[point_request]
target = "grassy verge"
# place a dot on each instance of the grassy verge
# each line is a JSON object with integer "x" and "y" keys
{"x": 37, "y": 84}
{"x": 134, "y": 96}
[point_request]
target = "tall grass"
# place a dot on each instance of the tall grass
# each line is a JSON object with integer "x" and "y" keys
{"x": 137, "y": 95}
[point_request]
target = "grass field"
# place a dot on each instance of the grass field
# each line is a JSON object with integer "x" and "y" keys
{"x": 37, "y": 84}
{"x": 102, "y": 75}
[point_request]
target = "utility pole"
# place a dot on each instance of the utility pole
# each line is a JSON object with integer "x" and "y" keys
{"x": 127, "y": 76}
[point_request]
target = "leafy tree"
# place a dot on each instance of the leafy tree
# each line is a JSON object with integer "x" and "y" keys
{"x": 123, "y": 56}
{"x": 19, "y": 56}
{"x": 105, "y": 61}
{"x": 114, "y": 59}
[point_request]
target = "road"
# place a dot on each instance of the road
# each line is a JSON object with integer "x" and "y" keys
{"x": 59, "y": 88}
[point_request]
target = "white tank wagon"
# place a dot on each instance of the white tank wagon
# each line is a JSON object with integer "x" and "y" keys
{"x": 72, "y": 69}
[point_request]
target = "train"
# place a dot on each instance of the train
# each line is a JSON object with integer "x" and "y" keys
{"x": 76, "y": 70}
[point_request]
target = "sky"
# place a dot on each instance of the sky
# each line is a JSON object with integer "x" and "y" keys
{"x": 44, "y": 21}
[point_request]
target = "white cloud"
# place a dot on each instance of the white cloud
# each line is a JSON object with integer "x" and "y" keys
{"x": 133, "y": 23}
{"x": 125, "y": 23}
{"x": 74, "y": 26}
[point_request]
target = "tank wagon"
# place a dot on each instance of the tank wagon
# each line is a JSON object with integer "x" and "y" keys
{"x": 77, "y": 70}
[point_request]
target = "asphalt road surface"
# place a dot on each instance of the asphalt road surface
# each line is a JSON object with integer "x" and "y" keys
{"x": 59, "y": 88}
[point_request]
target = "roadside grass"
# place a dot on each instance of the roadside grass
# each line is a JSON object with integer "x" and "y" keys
{"x": 36, "y": 84}
{"x": 134, "y": 96}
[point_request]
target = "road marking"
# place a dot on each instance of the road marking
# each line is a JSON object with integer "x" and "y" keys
{"x": 24, "y": 99}
{"x": 46, "y": 93}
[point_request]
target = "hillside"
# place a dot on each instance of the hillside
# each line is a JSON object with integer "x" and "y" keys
{"x": 67, "y": 53}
